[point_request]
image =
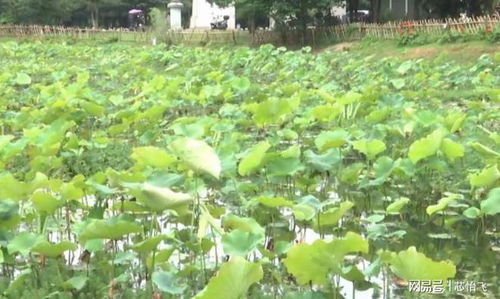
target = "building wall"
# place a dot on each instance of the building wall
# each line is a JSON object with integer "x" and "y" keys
{"x": 399, "y": 9}
{"x": 204, "y": 14}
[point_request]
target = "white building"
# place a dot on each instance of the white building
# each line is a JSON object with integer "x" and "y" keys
{"x": 205, "y": 13}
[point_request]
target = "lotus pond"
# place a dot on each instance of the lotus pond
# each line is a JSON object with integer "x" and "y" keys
{"x": 155, "y": 172}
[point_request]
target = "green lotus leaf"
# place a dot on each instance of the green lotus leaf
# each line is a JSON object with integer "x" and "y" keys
{"x": 451, "y": 149}
{"x": 240, "y": 243}
{"x": 427, "y": 146}
{"x": 333, "y": 215}
{"x": 491, "y": 205}
{"x": 152, "y": 156}
{"x": 148, "y": 245}
{"x": 413, "y": 265}
{"x": 313, "y": 263}
{"x": 12, "y": 188}
{"x": 253, "y": 160}
{"x": 23, "y": 79}
{"x": 168, "y": 282}
{"x": 45, "y": 202}
{"x": 488, "y": 176}
{"x": 371, "y": 148}
{"x": 112, "y": 228}
{"x": 331, "y": 139}
{"x": 198, "y": 155}
{"x": 160, "y": 198}
{"x": 24, "y": 242}
{"x": 233, "y": 279}
{"x": 442, "y": 204}
{"x": 396, "y": 206}
{"x": 54, "y": 250}
{"x": 243, "y": 223}
{"x": 273, "y": 202}
{"x": 323, "y": 162}
{"x": 303, "y": 212}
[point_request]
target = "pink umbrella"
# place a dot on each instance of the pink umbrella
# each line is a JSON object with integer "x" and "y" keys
{"x": 134, "y": 11}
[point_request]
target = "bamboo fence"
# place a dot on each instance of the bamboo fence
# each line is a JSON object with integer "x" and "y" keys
{"x": 311, "y": 36}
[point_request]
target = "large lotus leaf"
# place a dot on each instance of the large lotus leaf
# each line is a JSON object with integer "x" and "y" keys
{"x": 113, "y": 228}
{"x": 383, "y": 166}
{"x": 12, "y": 188}
{"x": 240, "y": 84}
{"x": 413, "y": 265}
{"x": 371, "y": 148}
{"x": 239, "y": 242}
{"x": 148, "y": 245}
{"x": 168, "y": 282}
{"x": 396, "y": 206}
{"x": 331, "y": 139}
{"x": 198, "y": 155}
{"x": 442, "y": 204}
{"x": 273, "y": 111}
{"x": 232, "y": 280}
{"x": 23, "y": 79}
{"x": 152, "y": 156}
{"x": 243, "y": 223}
{"x": 491, "y": 205}
{"x": 452, "y": 149}
{"x": 326, "y": 113}
{"x": 273, "y": 202}
{"x": 303, "y": 212}
{"x": 427, "y": 146}
{"x": 24, "y": 242}
{"x": 333, "y": 215}
{"x": 45, "y": 202}
{"x": 160, "y": 198}
{"x": 323, "y": 162}
{"x": 486, "y": 177}
{"x": 53, "y": 250}
{"x": 313, "y": 263}
{"x": 253, "y": 160}
{"x": 276, "y": 165}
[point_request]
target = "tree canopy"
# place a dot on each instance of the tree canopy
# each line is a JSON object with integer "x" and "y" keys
{"x": 297, "y": 13}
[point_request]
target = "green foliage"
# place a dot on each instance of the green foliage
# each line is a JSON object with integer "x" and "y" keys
{"x": 134, "y": 172}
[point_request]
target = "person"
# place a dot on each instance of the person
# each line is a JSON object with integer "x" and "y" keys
{"x": 136, "y": 19}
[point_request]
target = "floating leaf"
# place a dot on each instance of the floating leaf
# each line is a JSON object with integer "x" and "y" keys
{"x": 198, "y": 155}
{"x": 232, "y": 280}
{"x": 412, "y": 265}
{"x": 472, "y": 213}
{"x": 253, "y": 160}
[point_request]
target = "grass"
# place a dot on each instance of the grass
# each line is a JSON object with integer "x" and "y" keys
{"x": 460, "y": 52}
